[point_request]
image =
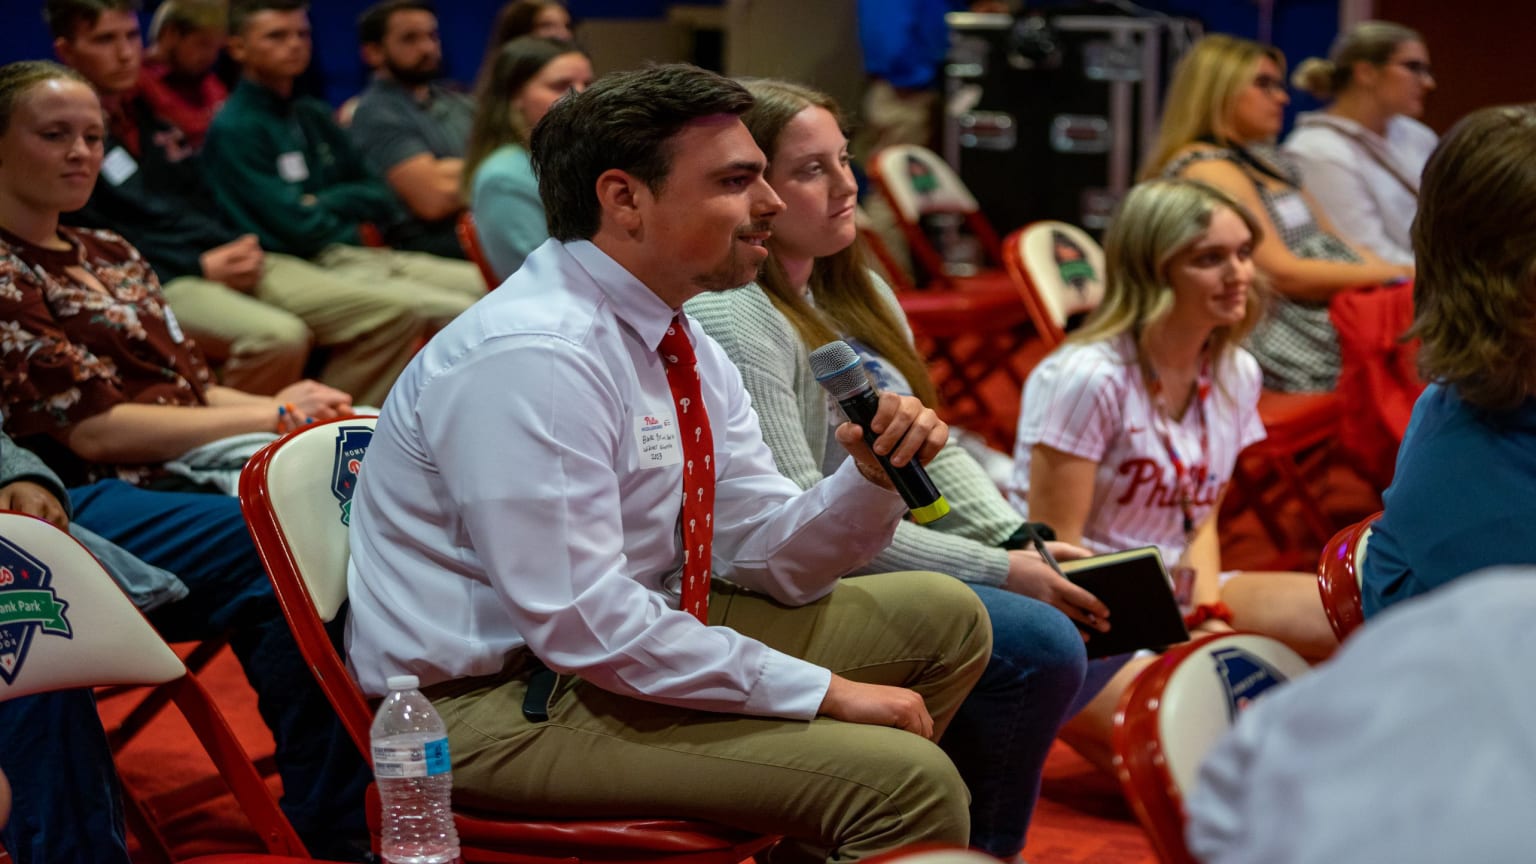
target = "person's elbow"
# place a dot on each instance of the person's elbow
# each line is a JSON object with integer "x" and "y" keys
{"x": 93, "y": 441}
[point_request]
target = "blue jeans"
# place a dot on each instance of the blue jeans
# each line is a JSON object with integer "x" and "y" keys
{"x": 202, "y": 539}
{"x": 1001, "y": 735}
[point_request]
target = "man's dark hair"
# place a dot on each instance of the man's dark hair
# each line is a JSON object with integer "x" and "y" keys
{"x": 373, "y": 24}
{"x": 626, "y": 121}
{"x": 64, "y": 16}
{"x": 241, "y": 11}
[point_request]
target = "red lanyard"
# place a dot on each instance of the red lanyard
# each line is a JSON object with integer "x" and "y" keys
{"x": 1184, "y": 472}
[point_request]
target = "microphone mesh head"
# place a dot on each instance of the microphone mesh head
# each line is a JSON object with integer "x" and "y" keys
{"x": 837, "y": 368}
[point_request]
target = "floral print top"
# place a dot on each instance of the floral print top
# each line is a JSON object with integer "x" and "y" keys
{"x": 69, "y": 351}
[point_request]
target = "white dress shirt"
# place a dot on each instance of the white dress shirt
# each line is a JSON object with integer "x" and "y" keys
{"x": 520, "y": 490}
{"x": 1345, "y": 166}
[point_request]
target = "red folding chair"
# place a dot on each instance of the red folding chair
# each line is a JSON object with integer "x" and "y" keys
{"x": 973, "y": 327}
{"x": 1175, "y": 711}
{"x": 88, "y": 634}
{"x": 469, "y": 240}
{"x": 1059, "y": 270}
{"x": 300, "y": 529}
{"x": 1339, "y": 574}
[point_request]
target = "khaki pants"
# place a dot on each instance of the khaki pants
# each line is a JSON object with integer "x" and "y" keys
{"x": 847, "y": 790}
{"x": 369, "y": 308}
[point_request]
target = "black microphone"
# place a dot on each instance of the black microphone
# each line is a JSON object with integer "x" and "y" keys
{"x": 838, "y": 370}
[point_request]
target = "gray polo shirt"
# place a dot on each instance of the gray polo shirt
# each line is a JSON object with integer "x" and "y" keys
{"x": 391, "y": 125}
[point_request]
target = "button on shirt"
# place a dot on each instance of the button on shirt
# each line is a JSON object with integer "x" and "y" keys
{"x": 521, "y": 489}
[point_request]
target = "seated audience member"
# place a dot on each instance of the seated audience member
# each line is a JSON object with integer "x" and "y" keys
{"x": 282, "y": 169}
{"x": 814, "y": 289}
{"x": 1361, "y": 157}
{"x": 94, "y": 370}
{"x": 1226, "y": 104}
{"x": 185, "y": 38}
{"x": 1128, "y": 433}
{"x": 409, "y": 127}
{"x": 524, "y": 506}
{"x": 96, "y": 373}
{"x": 253, "y": 309}
{"x": 1462, "y": 498}
{"x": 545, "y": 18}
{"x": 1411, "y": 746}
{"x": 525, "y": 77}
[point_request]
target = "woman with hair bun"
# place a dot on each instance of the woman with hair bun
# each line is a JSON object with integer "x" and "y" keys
{"x": 1362, "y": 155}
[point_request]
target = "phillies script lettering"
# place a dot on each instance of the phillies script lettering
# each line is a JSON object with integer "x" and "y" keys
{"x": 1157, "y": 488}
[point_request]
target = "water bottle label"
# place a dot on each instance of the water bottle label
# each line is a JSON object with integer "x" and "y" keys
{"x": 437, "y": 757}
{"x": 427, "y": 760}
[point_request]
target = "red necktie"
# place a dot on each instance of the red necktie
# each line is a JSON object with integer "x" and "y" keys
{"x": 698, "y": 467}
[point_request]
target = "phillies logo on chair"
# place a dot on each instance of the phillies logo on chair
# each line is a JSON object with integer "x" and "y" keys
{"x": 27, "y": 605}
{"x": 351, "y": 444}
{"x": 1245, "y": 677}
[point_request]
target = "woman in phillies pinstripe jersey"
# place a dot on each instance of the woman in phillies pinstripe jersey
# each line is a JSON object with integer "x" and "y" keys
{"x": 1129, "y": 432}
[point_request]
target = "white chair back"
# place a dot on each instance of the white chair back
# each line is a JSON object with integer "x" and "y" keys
{"x": 63, "y": 622}
{"x": 1207, "y": 691}
{"x": 920, "y": 183}
{"x": 310, "y": 478}
{"x": 1065, "y": 268}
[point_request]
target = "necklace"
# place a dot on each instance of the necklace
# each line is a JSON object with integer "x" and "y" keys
{"x": 1186, "y": 473}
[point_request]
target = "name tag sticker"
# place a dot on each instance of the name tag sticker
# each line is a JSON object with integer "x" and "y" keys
{"x": 174, "y": 326}
{"x": 657, "y": 440}
{"x": 1292, "y": 211}
{"x": 118, "y": 166}
{"x": 291, "y": 167}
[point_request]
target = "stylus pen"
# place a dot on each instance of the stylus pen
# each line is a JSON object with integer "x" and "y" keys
{"x": 1034, "y": 537}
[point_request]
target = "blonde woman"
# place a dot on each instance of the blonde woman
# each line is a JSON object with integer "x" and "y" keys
{"x": 1362, "y": 155}
{"x": 1129, "y": 432}
{"x": 1226, "y": 104}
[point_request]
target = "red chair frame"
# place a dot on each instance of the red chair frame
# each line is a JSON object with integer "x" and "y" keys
{"x": 1338, "y": 577}
{"x": 469, "y": 240}
{"x": 483, "y": 837}
{"x": 153, "y": 663}
{"x": 1141, "y": 765}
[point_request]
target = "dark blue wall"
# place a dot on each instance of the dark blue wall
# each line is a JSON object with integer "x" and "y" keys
{"x": 1302, "y": 28}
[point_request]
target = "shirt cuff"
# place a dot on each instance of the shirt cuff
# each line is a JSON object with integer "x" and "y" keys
{"x": 789, "y": 687}
{"x": 993, "y": 567}
{"x": 865, "y": 506}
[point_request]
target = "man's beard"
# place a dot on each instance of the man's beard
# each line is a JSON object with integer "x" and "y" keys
{"x": 415, "y": 76}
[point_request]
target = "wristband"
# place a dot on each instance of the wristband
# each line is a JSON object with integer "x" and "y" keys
{"x": 1208, "y": 612}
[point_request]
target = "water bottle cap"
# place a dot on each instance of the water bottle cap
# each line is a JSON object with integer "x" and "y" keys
{"x": 403, "y": 682}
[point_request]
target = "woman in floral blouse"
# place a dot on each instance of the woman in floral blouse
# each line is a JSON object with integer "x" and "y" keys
{"x": 95, "y": 374}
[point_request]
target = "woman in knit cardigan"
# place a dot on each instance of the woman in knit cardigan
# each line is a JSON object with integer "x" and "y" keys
{"x": 816, "y": 288}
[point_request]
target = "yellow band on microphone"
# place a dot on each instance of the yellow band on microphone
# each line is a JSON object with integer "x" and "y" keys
{"x": 931, "y": 513}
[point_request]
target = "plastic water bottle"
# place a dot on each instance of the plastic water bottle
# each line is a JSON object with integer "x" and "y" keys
{"x": 410, "y": 763}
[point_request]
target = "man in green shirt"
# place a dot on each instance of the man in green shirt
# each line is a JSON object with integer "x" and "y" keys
{"x": 281, "y": 168}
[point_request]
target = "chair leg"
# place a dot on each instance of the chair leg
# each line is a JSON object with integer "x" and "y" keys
{"x": 145, "y": 712}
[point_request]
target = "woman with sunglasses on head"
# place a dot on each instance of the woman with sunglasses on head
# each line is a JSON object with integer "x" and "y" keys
{"x": 1363, "y": 154}
{"x": 521, "y": 80}
{"x": 816, "y": 288}
{"x": 1226, "y": 104}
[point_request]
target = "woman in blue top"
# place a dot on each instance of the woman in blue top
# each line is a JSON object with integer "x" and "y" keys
{"x": 1464, "y": 496}
{"x": 524, "y": 78}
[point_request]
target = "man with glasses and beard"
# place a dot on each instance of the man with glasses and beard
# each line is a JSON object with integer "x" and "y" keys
{"x": 409, "y": 127}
